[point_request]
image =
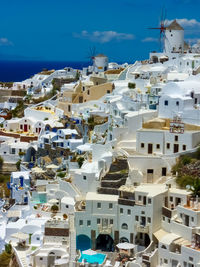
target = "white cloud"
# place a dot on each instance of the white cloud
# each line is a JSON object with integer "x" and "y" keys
{"x": 5, "y": 42}
{"x": 104, "y": 37}
{"x": 185, "y": 22}
{"x": 150, "y": 39}
{"x": 192, "y": 41}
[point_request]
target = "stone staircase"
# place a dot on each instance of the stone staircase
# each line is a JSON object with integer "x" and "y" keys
{"x": 115, "y": 178}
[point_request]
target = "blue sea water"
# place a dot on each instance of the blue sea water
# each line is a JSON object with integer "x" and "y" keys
{"x": 16, "y": 71}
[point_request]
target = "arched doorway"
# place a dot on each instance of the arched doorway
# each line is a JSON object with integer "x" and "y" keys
{"x": 123, "y": 240}
{"x": 104, "y": 243}
{"x": 142, "y": 239}
{"x": 83, "y": 242}
{"x": 51, "y": 259}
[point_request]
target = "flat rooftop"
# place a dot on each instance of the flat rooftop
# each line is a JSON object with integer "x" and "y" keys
{"x": 101, "y": 197}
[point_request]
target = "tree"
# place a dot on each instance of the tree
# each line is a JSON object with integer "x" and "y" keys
{"x": 77, "y": 75}
{"x": 54, "y": 208}
{"x": 18, "y": 164}
{"x": 80, "y": 161}
{"x": 195, "y": 188}
{"x": 1, "y": 162}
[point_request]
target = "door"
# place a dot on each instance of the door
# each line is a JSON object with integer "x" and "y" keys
{"x": 176, "y": 148}
{"x": 25, "y": 128}
{"x": 150, "y": 148}
{"x": 143, "y": 221}
{"x": 164, "y": 171}
{"x": 149, "y": 175}
{"x": 144, "y": 200}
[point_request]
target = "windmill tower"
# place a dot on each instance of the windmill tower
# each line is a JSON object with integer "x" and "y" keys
{"x": 174, "y": 38}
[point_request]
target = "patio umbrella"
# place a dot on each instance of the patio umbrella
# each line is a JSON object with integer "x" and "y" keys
{"x": 89, "y": 252}
{"x": 125, "y": 246}
{"x": 53, "y": 201}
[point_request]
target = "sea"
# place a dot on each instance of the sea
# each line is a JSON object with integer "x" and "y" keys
{"x": 16, "y": 71}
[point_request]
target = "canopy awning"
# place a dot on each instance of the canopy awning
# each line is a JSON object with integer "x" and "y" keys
{"x": 89, "y": 252}
{"x": 14, "y": 213}
{"x": 52, "y": 166}
{"x": 20, "y": 236}
{"x": 160, "y": 234}
{"x": 37, "y": 170}
{"x": 182, "y": 241}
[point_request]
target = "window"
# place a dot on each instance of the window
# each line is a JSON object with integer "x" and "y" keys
{"x": 110, "y": 205}
{"x": 149, "y": 220}
{"x": 158, "y": 146}
{"x": 168, "y": 145}
{"x": 184, "y": 147}
{"x": 121, "y": 210}
{"x": 139, "y": 198}
{"x": 84, "y": 177}
{"x": 168, "y": 220}
{"x": 176, "y": 138}
{"x": 195, "y": 100}
{"x": 98, "y": 205}
{"x": 88, "y": 223}
{"x": 67, "y": 206}
{"x": 192, "y": 219}
{"x": 37, "y": 238}
{"x": 108, "y": 91}
{"x": 13, "y": 151}
{"x": 69, "y": 108}
{"x": 190, "y": 259}
{"x": 129, "y": 212}
{"x": 142, "y": 145}
{"x": 165, "y": 261}
{"x": 125, "y": 226}
{"x": 98, "y": 221}
{"x": 149, "y": 200}
{"x": 111, "y": 221}
{"x": 136, "y": 218}
{"x": 163, "y": 218}
{"x": 41, "y": 259}
{"x": 163, "y": 246}
{"x": 166, "y": 102}
{"x": 171, "y": 199}
{"x": 88, "y": 92}
{"x": 81, "y": 222}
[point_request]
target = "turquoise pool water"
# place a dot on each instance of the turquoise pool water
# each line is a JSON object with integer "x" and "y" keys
{"x": 39, "y": 198}
{"x": 99, "y": 258}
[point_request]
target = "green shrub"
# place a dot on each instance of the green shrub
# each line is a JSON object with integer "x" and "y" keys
{"x": 80, "y": 161}
{"x": 131, "y": 85}
{"x": 54, "y": 208}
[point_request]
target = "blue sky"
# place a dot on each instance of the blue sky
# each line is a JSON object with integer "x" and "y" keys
{"x": 65, "y": 30}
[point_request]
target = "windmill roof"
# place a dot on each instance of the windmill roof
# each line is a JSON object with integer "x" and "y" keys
{"x": 175, "y": 26}
{"x": 100, "y": 55}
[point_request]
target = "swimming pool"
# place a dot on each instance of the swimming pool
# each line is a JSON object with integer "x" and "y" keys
{"x": 96, "y": 258}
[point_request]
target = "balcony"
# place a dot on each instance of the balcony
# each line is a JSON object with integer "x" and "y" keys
{"x": 127, "y": 202}
{"x": 142, "y": 229}
{"x": 169, "y": 213}
{"x": 105, "y": 230}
